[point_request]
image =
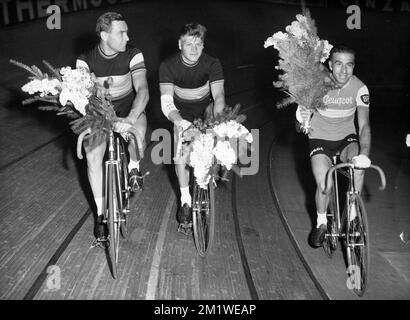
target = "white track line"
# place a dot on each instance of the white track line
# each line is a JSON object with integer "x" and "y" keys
{"x": 154, "y": 272}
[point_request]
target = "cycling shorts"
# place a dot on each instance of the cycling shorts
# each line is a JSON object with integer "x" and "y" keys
{"x": 330, "y": 148}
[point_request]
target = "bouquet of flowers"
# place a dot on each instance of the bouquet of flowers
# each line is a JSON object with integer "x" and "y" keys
{"x": 214, "y": 142}
{"x": 74, "y": 93}
{"x": 302, "y": 54}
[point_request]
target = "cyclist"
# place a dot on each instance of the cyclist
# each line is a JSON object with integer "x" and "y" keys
{"x": 123, "y": 66}
{"x": 333, "y": 130}
{"x": 191, "y": 83}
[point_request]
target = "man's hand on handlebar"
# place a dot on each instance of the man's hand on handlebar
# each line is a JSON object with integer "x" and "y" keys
{"x": 183, "y": 125}
{"x": 122, "y": 126}
{"x": 361, "y": 161}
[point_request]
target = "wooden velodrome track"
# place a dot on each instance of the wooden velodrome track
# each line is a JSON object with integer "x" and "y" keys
{"x": 260, "y": 249}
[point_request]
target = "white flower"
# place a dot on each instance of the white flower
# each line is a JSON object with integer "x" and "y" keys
{"x": 297, "y": 30}
{"x": 232, "y": 129}
{"x": 224, "y": 153}
{"x": 277, "y": 37}
{"x": 76, "y": 87}
{"x": 43, "y": 86}
{"x": 326, "y": 50}
{"x": 202, "y": 158}
{"x": 79, "y": 101}
{"x": 302, "y": 19}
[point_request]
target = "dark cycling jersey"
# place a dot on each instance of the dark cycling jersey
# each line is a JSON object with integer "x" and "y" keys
{"x": 336, "y": 121}
{"x": 191, "y": 83}
{"x": 120, "y": 67}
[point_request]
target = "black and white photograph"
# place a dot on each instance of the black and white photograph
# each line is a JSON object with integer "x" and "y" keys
{"x": 204, "y": 158}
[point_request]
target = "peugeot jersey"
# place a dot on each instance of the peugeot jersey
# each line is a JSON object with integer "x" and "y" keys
{"x": 120, "y": 68}
{"x": 336, "y": 121}
{"x": 191, "y": 83}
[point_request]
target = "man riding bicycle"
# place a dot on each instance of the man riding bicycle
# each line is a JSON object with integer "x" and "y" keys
{"x": 333, "y": 131}
{"x": 191, "y": 83}
{"x": 123, "y": 67}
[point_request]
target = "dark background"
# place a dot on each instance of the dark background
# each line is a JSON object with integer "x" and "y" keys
{"x": 236, "y": 33}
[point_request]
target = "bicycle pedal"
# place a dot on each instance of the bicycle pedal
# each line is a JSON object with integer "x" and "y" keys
{"x": 100, "y": 243}
{"x": 185, "y": 229}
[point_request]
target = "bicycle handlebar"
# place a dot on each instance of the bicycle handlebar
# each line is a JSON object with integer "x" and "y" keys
{"x": 134, "y": 133}
{"x": 351, "y": 165}
{"x": 80, "y": 142}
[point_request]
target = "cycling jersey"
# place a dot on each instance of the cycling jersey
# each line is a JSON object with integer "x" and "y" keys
{"x": 336, "y": 121}
{"x": 120, "y": 67}
{"x": 191, "y": 83}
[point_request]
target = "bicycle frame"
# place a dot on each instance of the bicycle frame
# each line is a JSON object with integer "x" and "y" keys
{"x": 115, "y": 217}
{"x": 351, "y": 228}
{"x": 115, "y": 188}
{"x": 349, "y": 174}
{"x": 114, "y": 162}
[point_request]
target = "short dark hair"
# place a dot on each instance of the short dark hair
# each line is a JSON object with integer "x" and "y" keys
{"x": 105, "y": 20}
{"x": 340, "y": 49}
{"x": 193, "y": 29}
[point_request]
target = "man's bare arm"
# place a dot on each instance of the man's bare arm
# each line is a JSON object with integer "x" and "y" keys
{"x": 364, "y": 130}
{"x": 139, "y": 81}
{"x": 218, "y": 94}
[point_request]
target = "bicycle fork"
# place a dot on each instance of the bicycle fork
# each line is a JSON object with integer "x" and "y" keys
{"x": 112, "y": 167}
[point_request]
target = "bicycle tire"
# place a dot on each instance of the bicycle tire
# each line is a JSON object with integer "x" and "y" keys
{"x": 125, "y": 189}
{"x": 357, "y": 246}
{"x": 203, "y": 216}
{"x": 112, "y": 219}
{"x": 330, "y": 242}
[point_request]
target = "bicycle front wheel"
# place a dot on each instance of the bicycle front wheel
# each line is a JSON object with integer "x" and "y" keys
{"x": 113, "y": 220}
{"x": 203, "y": 216}
{"x": 331, "y": 236}
{"x": 357, "y": 245}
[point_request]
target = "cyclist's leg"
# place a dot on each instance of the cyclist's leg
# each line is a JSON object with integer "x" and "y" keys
{"x": 182, "y": 172}
{"x": 141, "y": 127}
{"x": 320, "y": 162}
{"x": 349, "y": 151}
{"x": 95, "y": 155}
{"x": 320, "y": 165}
{"x": 136, "y": 180}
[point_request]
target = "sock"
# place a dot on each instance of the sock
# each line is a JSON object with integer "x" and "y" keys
{"x": 353, "y": 212}
{"x": 99, "y": 202}
{"x": 185, "y": 196}
{"x": 133, "y": 164}
{"x": 321, "y": 219}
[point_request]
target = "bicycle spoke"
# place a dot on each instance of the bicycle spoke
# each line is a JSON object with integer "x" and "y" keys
{"x": 330, "y": 242}
{"x": 111, "y": 219}
{"x": 203, "y": 218}
{"x": 357, "y": 246}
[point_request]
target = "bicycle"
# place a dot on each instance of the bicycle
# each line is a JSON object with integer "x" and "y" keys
{"x": 350, "y": 227}
{"x": 203, "y": 214}
{"x": 203, "y": 204}
{"x": 116, "y": 190}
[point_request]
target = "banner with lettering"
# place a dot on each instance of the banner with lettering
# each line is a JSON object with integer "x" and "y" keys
{"x": 17, "y": 11}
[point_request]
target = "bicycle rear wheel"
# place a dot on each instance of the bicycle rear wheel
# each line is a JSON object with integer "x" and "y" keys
{"x": 330, "y": 242}
{"x": 113, "y": 221}
{"x": 357, "y": 245}
{"x": 203, "y": 216}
